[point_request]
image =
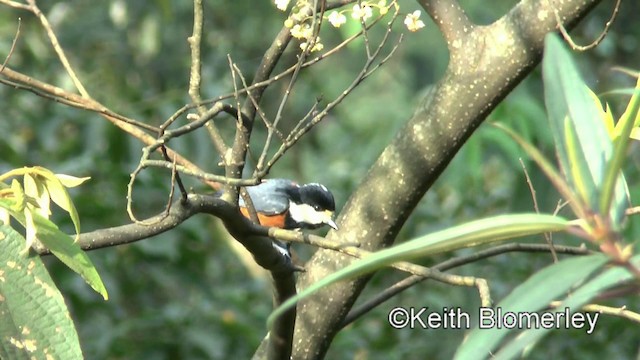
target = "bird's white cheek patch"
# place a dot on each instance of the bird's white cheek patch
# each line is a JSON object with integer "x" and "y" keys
{"x": 304, "y": 213}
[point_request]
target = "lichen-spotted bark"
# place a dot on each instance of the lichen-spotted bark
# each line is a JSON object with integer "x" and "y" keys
{"x": 486, "y": 62}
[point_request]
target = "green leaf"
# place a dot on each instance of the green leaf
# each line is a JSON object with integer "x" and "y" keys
{"x": 614, "y": 179}
{"x": 566, "y": 95}
{"x": 604, "y": 113}
{"x": 61, "y": 197}
{"x": 66, "y": 249}
{"x": 55, "y": 187}
{"x": 18, "y": 193}
{"x": 71, "y": 181}
{"x": 34, "y": 320}
{"x": 69, "y": 252}
{"x": 575, "y": 300}
{"x": 578, "y": 167}
{"x": 534, "y": 294}
{"x": 474, "y": 233}
{"x": 38, "y": 192}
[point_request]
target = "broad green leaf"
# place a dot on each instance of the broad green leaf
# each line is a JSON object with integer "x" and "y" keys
{"x": 474, "y": 233}
{"x": 534, "y": 294}
{"x": 66, "y": 249}
{"x": 34, "y": 320}
{"x": 578, "y": 298}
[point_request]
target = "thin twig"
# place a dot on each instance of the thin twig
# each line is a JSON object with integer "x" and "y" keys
{"x": 270, "y": 127}
{"x": 622, "y": 312}
{"x": 195, "y": 76}
{"x": 199, "y": 174}
{"x": 298, "y": 131}
{"x": 58, "y": 49}
{"x": 175, "y": 178}
{"x": 597, "y": 41}
{"x": 13, "y": 46}
{"x": 410, "y": 281}
{"x": 532, "y": 190}
{"x": 15, "y": 4}
{"x": 458, "y": 280}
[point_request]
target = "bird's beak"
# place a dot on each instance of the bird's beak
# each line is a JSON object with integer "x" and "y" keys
{"x": 333, "y": 224}
{"x": 328, "y": 219}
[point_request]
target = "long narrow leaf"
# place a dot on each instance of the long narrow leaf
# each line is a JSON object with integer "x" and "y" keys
{"x": 575, "y": 300}
{"x": 614, "y": 183}
{"x": 534, "y": 294}
{"x": 583, "y": 182}
{"x": 471, "y": 234}
{"x": 566, "y": 95}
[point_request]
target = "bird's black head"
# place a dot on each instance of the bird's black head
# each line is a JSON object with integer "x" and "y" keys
{"x": 317, "y": 196}
{"x": 312, "y": 205}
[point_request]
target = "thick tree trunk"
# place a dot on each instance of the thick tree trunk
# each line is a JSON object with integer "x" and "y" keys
{"x": 486, "y": 63}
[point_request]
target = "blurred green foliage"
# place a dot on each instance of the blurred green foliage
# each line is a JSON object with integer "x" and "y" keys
{"x": 184, "y": 294}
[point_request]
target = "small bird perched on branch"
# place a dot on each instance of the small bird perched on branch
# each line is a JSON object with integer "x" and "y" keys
{"x": 283, "y": 203}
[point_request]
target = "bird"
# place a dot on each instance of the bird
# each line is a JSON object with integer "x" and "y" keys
{"x": 284, "y": 204}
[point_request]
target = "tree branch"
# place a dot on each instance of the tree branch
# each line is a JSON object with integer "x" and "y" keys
{"x": 235, "y": 163}
{"x": 410, "y": 281}
{"x": 450, "y": 19}
{"x": 490, "y": 61}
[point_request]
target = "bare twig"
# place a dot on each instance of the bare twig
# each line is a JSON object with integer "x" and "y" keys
{"x": 597, "y": 41}
{"x": 198, "y": 174}
{"x": 294, "y": 77}
{"x": 33, "y": 7}
{"x": 15, "y": 5}
{"x": 532, "y": 190}
{"x": 305, "y": 126}
{"x": 275, "y": 78}
{"x": 13, "y": 46}
{"x": 48, "y": 91}
{"x": 175, "y": 179}
{"x": 130, "y": 126}
{"x": 195, "y": 76}
{"x": 236, "y": 161}
{"x": 632, "y": 211}
{"x": 270, "y": 127}
{"x": 622, "y": 312}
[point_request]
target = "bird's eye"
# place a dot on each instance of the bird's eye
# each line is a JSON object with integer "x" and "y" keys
{"x": 316, "y": 207}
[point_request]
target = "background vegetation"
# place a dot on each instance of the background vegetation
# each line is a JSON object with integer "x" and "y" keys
{"x": 184, "y": 294}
